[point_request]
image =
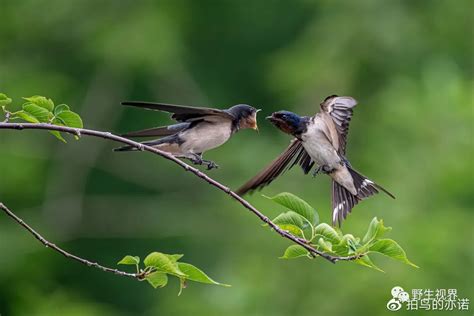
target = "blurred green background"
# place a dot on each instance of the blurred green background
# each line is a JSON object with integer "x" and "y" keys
{"x": 408, "y": 63}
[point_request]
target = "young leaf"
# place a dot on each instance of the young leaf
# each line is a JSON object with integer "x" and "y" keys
{"x": 25, "y": 116}
{"x": 4, "y": 100}
{"x": 365, "y": 261}
{"x": 291, "y": 218}
{"x": 58, "y": 136}
{"x": 328, "y": 233}
{"x": 375, "y": 231}
{"x": 390, "y": 248}
{"x": 195, "y": 274}
{"x": 163, "y": 263}
{"x": 131, "y": 260}
{"x": 175, "y": 257}
{"x": 43, "y": 102}
{"x": 346, "y": 246}
{"x": 295, "y": 251}
{"x": 157, "y": 279}
{"x": 294, "y": 230}
{"x": 70, "y": 119}
{"x": 38, "y": 112}
{"x": 60, "y": 108}
{"x": 325, "y": 245}
{"x": 297, "y": 205}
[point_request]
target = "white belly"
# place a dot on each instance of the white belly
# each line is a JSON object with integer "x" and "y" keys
{"x": 318, "y": 146}
{"x": 205, "y": 136}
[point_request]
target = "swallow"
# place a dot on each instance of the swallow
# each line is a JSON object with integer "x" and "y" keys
{"x": 320, "y": 141}
{"x": 198, "y": 129}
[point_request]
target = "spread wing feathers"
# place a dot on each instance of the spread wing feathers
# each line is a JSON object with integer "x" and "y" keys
{"x": 294, "y": 154}
{"x": 181, "y": 113}
{"x": 340, "y": 110}
{"x": 343, "y": 201}
{"x": 158, "y": 131}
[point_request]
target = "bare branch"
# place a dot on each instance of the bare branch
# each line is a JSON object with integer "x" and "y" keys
{"x": 48, "y": 244}
{"x": 107, "y": 135}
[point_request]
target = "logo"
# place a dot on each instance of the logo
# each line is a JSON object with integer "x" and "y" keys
{"x": 399, "y": 296}
{"x": 427, "y": 299}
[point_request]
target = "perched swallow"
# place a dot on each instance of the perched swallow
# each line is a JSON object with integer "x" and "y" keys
{"x": 198, "y": 130}
{"x": 320, "y": 140}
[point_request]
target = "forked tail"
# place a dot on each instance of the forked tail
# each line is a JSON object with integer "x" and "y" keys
{"x": 343, "y": 201}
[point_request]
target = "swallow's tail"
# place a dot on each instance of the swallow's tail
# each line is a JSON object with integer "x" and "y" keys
{"x": 158, "y": 131}
{"x": 343, "y": 201}
{"x": 149, "y": 143}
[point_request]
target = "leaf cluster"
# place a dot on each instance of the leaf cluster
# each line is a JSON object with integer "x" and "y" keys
{"x": 39, "y": 109}
{"x": 157, "y": 266}
{"x": 302, "y": 220}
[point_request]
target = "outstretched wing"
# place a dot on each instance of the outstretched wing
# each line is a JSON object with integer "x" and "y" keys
{"x": 158, "y": 131}
{"x": 181, "y": 113}
{"x": 340, "y": 110}
{"x": 294, "y": 154}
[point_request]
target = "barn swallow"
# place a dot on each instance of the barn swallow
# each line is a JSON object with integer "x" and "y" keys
{"x": 198, "y": 129}
{"x": 320, "y": 140}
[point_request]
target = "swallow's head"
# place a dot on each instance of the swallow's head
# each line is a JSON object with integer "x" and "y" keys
{"x": 245, "y": 115}
{"x": 287, "y": 122}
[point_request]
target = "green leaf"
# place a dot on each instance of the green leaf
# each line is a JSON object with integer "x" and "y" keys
{"x": 43, "y": 102}
{"x": 365, "y": 261}
{"x": 390, "y": 248}
{"x": 70, "y": 119}
{"x": 131, "y": 260}
{"x": 325, "y": 245}
{"x": 291, "y": 218}
{"x": 163, "y": 263}
{"x": 25, "y": 116}
{"x": 294, "y": 230}
{"x": 195, "y": 274}
{"x": 60, "y": 108}
{"x": 346, "y": 246}
{"x": 328, "y": 233}
{"x": 297, "y": 205}
{"x": 38, "y": 112}
{"x": 375, "y": 231}
{"x": 157, "y": 279}
{"x": 175, "y": 257}
{"x": 58, "y": 136}
{"x": 4, "y": 100}
{"x": 295, "y": 251}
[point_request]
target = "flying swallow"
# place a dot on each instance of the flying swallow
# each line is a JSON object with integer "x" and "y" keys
{"x": 320, "y": 140}
{"x": 197, "y": 131}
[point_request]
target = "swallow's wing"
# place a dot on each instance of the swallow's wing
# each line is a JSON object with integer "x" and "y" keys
{"x": 340, "y": 110}
{"x": 181, "y": 113}
{"x": 294, "y": 154}
{"x": 158, "y": 131}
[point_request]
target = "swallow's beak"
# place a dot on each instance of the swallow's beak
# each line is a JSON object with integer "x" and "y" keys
{"x": 272, "y": 118}
{"x": 254, "y": 125}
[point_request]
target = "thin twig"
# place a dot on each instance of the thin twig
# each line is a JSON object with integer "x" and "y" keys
{"x": 107, "y": 135}
{"x": 48, "y": 244}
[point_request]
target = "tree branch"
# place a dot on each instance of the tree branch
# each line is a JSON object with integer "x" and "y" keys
{"x": 107, "y": 135}
{"x": 139, "y": 276}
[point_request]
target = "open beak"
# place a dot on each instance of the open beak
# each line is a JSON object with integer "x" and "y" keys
{"x": 254, "y": 122}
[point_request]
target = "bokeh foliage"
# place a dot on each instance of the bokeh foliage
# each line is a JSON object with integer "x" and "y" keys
{"x": 408, "y": 63}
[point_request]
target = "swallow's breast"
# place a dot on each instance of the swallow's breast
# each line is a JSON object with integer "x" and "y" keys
{"x": 206, "y": 136}
{"x": 318, "y": 146}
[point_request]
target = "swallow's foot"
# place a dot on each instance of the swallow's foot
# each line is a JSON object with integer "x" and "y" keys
{"x": 317, "y": 171}
{"x": 210, "y": 164}
{"x": 196, "y": 160}
{"x": 322, "y": 169}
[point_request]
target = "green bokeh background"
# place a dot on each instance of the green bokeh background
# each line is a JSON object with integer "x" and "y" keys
{"x": 408, "y": 63}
